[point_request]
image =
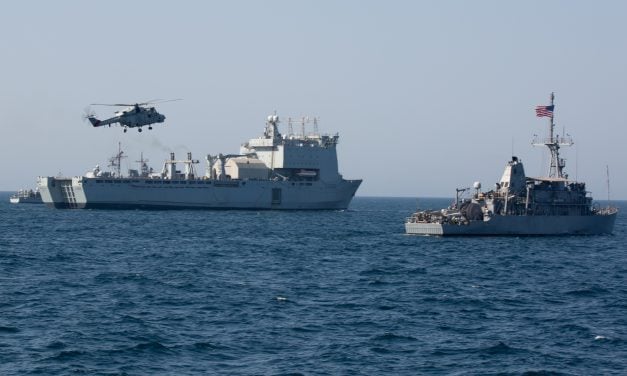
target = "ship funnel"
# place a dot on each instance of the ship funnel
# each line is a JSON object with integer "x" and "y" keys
{"x": 171, "y": 167}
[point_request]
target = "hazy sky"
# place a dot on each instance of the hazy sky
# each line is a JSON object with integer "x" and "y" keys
{"x": 427, "y": 96}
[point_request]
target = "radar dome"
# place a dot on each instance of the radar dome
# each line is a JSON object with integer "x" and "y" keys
{"x": 477, "y": 185}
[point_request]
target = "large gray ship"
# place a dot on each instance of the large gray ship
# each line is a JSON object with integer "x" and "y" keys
{"x": 521, "y": 205}
{"x": 274, "y": 171}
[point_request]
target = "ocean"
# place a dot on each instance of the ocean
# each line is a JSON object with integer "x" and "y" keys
{"x": 101, "y": 292}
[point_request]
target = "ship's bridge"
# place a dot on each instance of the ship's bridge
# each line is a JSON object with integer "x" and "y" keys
{"x": 291, "y": 153}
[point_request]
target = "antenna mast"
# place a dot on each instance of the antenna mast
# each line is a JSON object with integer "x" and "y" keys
{"x": 555, "y": 168}
{"x": 607, "y": 172}
{"x": 557, "y": 164}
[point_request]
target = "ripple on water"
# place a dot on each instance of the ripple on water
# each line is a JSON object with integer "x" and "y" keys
{"x": 9, "y": 329}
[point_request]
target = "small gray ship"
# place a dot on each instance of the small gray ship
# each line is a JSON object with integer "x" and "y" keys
{"x": 275, "y": 171}
{"x": 26, "y": 196}
{"x": 522, "y": 205}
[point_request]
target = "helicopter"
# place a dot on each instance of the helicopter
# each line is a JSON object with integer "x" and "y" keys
{"x": 134, "y": 115}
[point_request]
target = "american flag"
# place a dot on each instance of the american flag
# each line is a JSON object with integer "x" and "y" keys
{"x": 544, "y": 111}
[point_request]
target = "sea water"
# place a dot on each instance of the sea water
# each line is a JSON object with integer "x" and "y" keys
{"x": 104, "y": 292}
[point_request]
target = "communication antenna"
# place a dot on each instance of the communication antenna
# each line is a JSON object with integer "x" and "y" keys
{"x": 512, "y": 146}
{"x": 576, "y": 163}
{"x": 607, "y": 173}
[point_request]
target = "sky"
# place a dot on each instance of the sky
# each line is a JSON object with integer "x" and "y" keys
{"x": 427, "y": 96}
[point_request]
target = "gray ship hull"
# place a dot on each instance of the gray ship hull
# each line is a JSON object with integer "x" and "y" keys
{"x": 521, "y": 226}
{"x": 26, "y": 200}
{"x": 97, "y": 193}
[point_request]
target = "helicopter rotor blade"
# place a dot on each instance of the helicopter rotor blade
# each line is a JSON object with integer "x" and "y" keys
{"x": 155, "y": 101}
{"x": 114, "y": 104}
{"x": 150, "y": 101}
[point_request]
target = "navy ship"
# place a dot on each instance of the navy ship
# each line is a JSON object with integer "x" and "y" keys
{"x": 522, "y": 205}
{"x": 26, "y": 196}
{"x": 275, "y": 171}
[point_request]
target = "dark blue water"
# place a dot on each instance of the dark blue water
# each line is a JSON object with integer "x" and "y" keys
{"x": 312, "y": 293}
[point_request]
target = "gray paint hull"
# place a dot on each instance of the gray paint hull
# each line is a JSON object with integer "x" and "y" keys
{"x": 25, "y": 200}
{"x": 92, "y": 193}
{"x": 521, "y": 225}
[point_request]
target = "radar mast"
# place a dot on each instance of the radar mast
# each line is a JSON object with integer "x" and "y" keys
{"x": 553, "y": 142}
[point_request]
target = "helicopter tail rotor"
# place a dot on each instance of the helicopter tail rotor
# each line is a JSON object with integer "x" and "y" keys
{"x": 90, "y": 114}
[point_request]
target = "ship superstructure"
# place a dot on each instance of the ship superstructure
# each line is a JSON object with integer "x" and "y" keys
{"x": 522, "y": 205}
{"x": 26, "y": 196}
{"x": 274, "y": 171}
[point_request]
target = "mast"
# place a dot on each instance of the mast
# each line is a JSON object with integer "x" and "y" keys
{"x": 116, "y": 161}
{"x": 607, "y": 172}
{"x": 555, "y": 168}
{"x": 143, "y": 167}
{"x": 554, "y": 142}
